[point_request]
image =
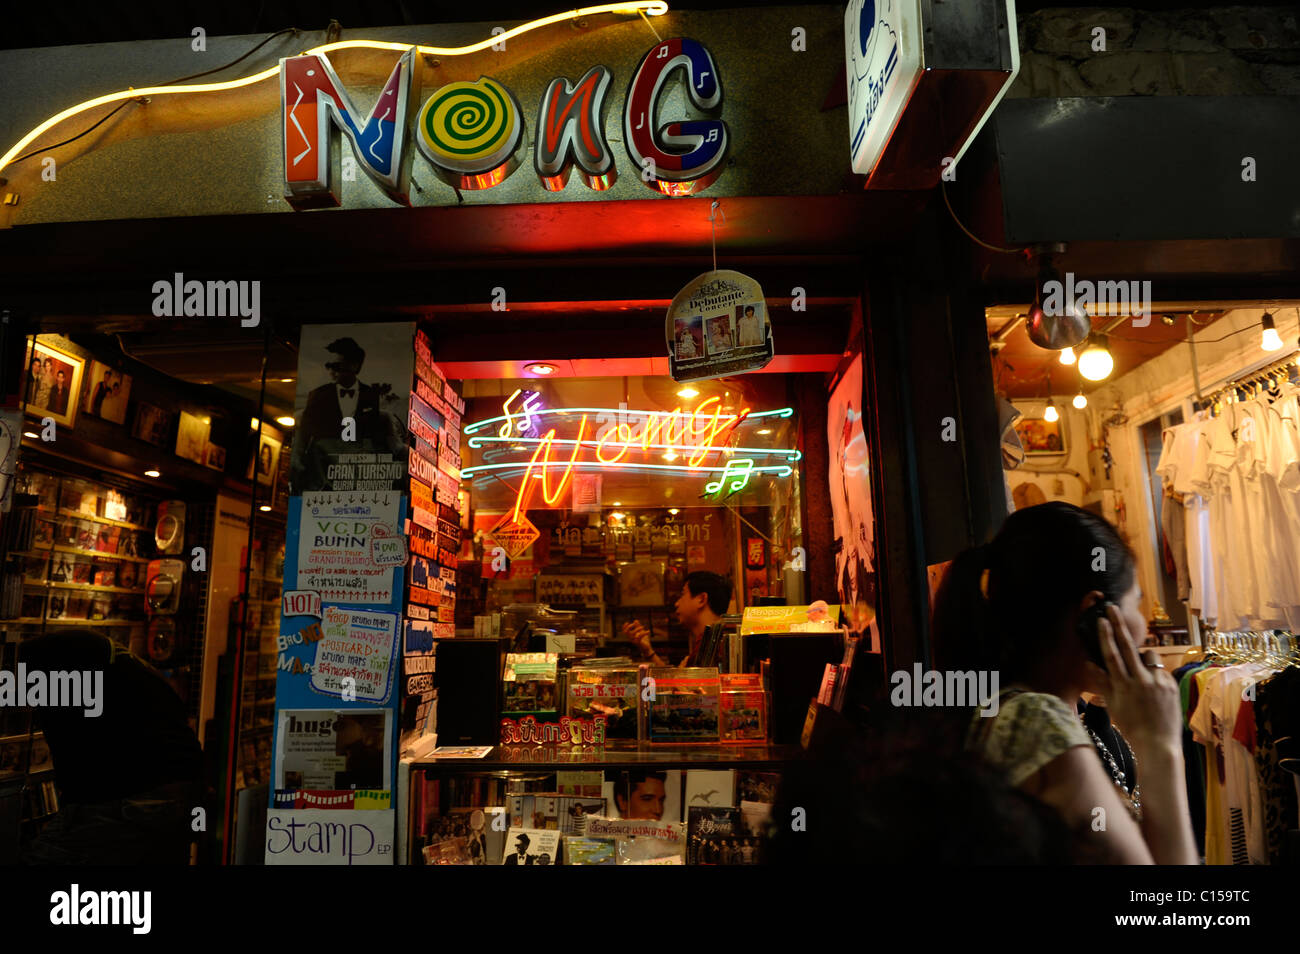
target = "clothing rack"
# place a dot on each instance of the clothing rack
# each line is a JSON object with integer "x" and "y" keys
{"x": 1253, "y": 646}
{"x": 1267, "y": 377}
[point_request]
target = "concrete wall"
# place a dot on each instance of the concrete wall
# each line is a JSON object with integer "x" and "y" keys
{"x": 1219, "y": 51}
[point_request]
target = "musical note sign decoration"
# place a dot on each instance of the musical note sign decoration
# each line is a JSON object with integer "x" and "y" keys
{"x": 735, "y": 477}
{"x": 718, "y": 326}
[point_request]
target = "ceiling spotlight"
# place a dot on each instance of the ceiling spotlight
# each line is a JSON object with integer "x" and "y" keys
{"x": 1096, "y": 363}
{"x": 152, "y": 473}
{"x": 1271, "y": 340}
{"x": 765, "y": 430}
{"x": 286, "y": 380}
{"x": 674, "y": 511}
{"x": 1067, "y": 356}
{"x": 540, "y": 368}
{"x": 1080, "y": 401}
{"x": 688, "y": 392}
{"x": 618, "y": 503}
{"x": 670, "y": 455}
{"x": 32, "y": 434}
{"x": 1051, "y": 414}
{"x": 285, "y": 421}
{"x": 265, "y": 508}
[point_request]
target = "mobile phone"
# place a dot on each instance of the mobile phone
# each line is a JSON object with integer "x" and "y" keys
{"x": 1088, "y": 630}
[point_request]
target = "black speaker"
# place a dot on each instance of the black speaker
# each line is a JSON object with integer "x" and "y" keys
{"x": 468, "y": 676}
{"x": 798, "y": 662}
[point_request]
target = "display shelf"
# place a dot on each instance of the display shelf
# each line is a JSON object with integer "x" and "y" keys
{"x": 108, "y": 520}
{"x": 552, "y": 758}
{"x": 98, "y": 553}
{"x": 86, "y": 586}
{"x": 65, "y": 621}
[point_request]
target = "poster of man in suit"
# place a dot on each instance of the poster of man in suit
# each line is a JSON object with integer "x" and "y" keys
{"x": 354, "y": 384}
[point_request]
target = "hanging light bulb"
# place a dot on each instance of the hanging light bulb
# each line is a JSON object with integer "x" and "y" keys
{"x": 1067, "y": 356}
{"x": 1095, "y": 363}
{"x": 1080, "y": 401}
{"x": 1271, "y": 340}
{"x": 1051, "y": 414}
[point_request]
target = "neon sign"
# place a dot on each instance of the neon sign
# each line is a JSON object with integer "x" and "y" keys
{"x": 686, "y": 436}
{"x": 471, "y": 133}
{"x": 528, "y": 407}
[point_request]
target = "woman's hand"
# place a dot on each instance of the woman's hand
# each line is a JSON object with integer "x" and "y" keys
{"x": 1142, "y": 699}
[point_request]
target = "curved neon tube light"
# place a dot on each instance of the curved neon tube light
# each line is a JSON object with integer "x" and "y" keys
{"x": 630, "y": 7}
{"x": 781, "y": 470}
{"x": 790, "y": 452}
{"x": 752, "y": 415}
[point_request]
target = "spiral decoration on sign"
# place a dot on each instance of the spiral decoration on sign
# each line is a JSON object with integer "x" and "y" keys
{"x": 472, "y": 132}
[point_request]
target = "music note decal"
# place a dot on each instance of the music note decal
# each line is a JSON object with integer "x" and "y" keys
{"x": 737, "y": 471}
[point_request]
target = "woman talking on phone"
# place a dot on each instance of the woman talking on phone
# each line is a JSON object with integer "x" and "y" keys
{"x": 1052, "y": 606}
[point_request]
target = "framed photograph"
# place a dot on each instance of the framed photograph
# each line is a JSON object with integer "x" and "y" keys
{"x": 53, "y": 383}
{"x": 152, "y": 424}
{"x": 108, "y": 393}
{"x": 192, "y": 437}
{"x": 267, "y": 461}
{"x": 1040, "y": 436}
{"x": 215, "y": 457}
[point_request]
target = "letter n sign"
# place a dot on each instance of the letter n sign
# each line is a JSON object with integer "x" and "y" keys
{"x": 315, "y": 107}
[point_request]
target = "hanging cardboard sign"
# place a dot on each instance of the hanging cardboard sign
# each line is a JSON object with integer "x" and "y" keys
{"x": 514, "y": 536}
{"x": 717, "y": 326}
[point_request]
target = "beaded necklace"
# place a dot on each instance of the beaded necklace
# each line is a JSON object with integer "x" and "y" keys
{"x": 1132, "y": 800}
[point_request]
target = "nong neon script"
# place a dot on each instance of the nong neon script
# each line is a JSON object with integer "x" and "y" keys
{"x": 472, "y": 133}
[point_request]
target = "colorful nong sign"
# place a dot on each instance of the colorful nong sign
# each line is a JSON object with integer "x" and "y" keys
{"x": 672, "y": 443}
{"x": 472, "y": 132}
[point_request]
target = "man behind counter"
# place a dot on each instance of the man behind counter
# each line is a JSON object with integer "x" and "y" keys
{"x": 704, "y": 599}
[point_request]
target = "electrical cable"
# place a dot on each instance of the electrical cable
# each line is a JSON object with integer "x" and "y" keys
{"x": 971, "y": 235}
{"x": 103, "y": 119}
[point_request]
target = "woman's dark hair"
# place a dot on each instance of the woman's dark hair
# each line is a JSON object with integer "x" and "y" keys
{"x": 1042, "y": 563}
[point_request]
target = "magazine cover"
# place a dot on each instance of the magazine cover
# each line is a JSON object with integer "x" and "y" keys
{"x": 608, "y": 693}
{"x": 357, "y": 373}
{"x": 334, "y": 750}
{"x": 711, "y": 834}
{"x": 574, "y": 811}
{"x": 589, "y": 851}
{"x": 528, "y": 684}
{"x": 685, "y": 707}
{"x": 529, "y": 846}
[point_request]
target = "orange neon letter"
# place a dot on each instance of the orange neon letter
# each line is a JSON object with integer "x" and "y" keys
{"x": 619, "y": 438}
{"x": 544, "y": 451}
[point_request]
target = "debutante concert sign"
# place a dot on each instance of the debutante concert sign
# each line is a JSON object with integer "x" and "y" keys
{"x": 473, "y": 133}
{"x": 717, "y": 326}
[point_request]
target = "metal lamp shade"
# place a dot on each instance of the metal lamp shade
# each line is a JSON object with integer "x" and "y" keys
{"x": 1055, "y": 332}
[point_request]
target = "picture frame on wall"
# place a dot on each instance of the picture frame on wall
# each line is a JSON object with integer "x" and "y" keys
{"x": 53, "y": 383}
{"x": 152, "y": 424}
{"x": 1041, "y": 437}
{"x": 192, "y": 437}
{"x": 266, "y": 460}
{"x": 107, "y": 393}
{"x": 215, "y": 456}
